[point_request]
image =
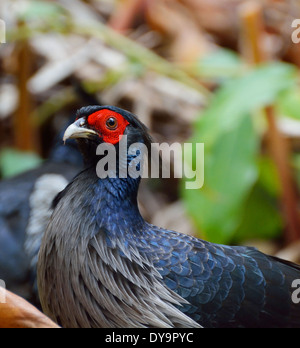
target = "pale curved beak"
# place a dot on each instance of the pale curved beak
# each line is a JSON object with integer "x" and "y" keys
{"x": 78, "y": 130}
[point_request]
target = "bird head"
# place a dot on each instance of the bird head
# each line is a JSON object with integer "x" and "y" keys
{"x": 95, "y": 125}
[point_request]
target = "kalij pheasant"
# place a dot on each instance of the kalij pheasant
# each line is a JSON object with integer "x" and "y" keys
{"x": 102, "y": 265}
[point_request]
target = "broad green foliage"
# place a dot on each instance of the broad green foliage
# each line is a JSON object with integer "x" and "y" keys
{"x": 239, "y": 197}
{"x": 289, "y": 103}
{"x": 220, "y": 65}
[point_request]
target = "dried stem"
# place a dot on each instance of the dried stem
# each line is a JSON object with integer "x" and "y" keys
{"x": 252, "y": 49}
{"x": 252, "y": 32}
{"x": 280, "y": 151}
{"x": 126, "y": 12}
{"x": 25, "y": 136}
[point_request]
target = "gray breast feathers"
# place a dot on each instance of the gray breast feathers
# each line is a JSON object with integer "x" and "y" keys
{"x": 85, "y": 283}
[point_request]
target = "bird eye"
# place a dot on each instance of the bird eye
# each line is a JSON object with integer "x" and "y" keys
{"x": 112, "y": 123}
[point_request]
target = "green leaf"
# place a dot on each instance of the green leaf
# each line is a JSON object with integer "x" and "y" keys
{"x": 268, "y": 177}
{"x": 257, "y": 89}
{"x": 232, "y": 147}
{"x": 289, "y": 103}
{"x": 261, "y": 218}
{"x": 230, "y": 173}
{"x": 13, "y": 162}
{"x": 220, "y": 65}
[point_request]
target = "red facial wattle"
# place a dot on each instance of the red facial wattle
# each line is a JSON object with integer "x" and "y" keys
{"x": 109, "y": 124}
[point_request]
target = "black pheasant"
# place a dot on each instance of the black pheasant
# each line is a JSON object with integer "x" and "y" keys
{"x": 102, "y": 265}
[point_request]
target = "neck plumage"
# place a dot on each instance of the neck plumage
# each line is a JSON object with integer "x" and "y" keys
{"x": 112, "y": 197}
{"x": 113, "y": 204}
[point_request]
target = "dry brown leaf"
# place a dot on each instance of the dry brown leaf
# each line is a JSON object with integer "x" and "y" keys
{"x": 15, "y": 312}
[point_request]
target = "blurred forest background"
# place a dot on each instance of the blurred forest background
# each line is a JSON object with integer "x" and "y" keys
{"x": 220, "y": 72}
